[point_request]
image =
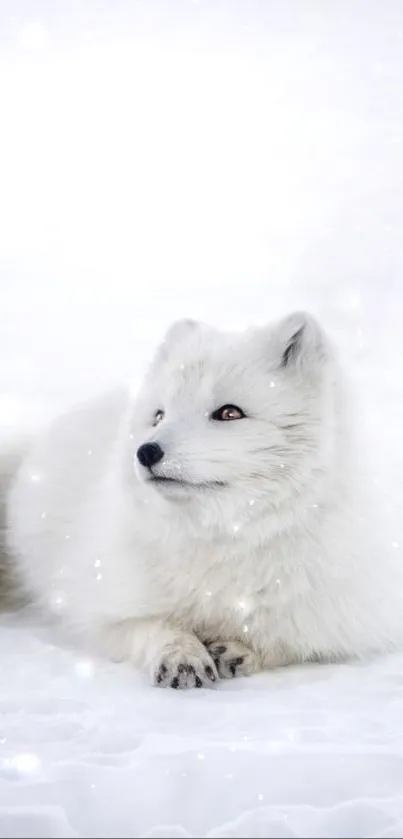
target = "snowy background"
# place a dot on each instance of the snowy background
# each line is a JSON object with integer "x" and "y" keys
{"x": 229, "y": 160}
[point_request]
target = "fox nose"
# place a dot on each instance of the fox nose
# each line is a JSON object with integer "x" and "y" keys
{"x": 149, "y": 454}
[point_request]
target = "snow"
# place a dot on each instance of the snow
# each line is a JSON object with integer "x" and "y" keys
{"x": 89, "y": 749}
{"x": 228, "y": 161}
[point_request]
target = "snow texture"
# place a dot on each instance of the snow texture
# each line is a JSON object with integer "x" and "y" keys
{"x": 229, "y": 161}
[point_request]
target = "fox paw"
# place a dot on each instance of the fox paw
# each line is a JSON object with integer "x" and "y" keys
{"x": 182, "y": 668}
{"x": 232, "y": 658}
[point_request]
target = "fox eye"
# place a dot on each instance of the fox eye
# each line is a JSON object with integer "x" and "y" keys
{"x": 227, "y": 413}
{"x": 158, "y": 416}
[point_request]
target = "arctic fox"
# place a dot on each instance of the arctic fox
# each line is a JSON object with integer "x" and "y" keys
{"x": 213, "y": 526}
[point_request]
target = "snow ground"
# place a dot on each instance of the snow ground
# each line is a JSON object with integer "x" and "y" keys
{"x": 228, "y": 161}
{"x": 90, "y": 750}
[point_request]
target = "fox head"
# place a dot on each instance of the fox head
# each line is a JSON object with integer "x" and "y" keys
{"x": 250, "y": 415}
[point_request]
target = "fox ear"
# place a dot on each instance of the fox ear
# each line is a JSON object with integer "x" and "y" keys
{"x": 179, "y": 329}
{"x": 300, "y": 340}
{"x": 177, "y": 332}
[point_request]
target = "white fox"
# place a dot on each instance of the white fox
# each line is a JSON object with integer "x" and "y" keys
{"x": 215, "y": 525}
